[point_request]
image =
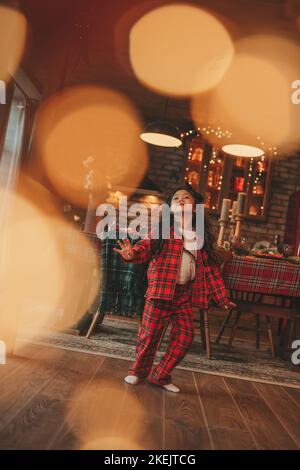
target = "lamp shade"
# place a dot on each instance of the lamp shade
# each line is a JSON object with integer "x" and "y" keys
{"x": 247, "y": 151}
{"x": 161, "y": 133}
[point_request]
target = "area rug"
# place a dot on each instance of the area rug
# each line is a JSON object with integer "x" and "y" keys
{"x": 117, "y": 338}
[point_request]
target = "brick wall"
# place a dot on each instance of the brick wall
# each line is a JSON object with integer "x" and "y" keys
{"x": 166, "y": 167}
{"x": 167, "y": 170}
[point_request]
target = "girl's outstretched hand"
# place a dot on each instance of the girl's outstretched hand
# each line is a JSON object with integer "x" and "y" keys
{"x": 125, "y": 250}
{"x": 230, "y": 306}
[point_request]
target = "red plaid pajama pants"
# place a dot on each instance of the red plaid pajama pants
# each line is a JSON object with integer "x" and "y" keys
{"x": 156, "y": 312}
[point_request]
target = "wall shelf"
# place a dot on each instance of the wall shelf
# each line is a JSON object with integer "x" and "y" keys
{"x": 226, "y": 176}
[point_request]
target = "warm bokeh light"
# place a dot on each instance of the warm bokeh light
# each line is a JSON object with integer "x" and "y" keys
{"x": 38, "y": 195}
{"x": 111, "y": 443}
{"x": 13, "y": 29}
{"x": 88, "y": 139}
{"x": 29, "y": 371}
{"x": 180, "y": 50}
{"x": 106, "y": 416}
{"x": 49, "y": 272}
{"x": 254, "y": 98}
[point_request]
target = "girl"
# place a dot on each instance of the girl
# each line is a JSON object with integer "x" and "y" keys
{"x": 179, "y": 277}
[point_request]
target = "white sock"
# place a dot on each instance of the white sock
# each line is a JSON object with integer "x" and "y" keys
{"x": 171, "y": 388}
{"x": 132, "y": 379}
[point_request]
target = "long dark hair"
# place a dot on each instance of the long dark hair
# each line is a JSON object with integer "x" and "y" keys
{"x": 209, "y": 239}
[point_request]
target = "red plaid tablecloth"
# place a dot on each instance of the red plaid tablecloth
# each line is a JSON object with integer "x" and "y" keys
{"x": 261, "y": 275}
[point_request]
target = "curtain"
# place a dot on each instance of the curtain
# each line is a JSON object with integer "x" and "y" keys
{"x": 10, "y": 162}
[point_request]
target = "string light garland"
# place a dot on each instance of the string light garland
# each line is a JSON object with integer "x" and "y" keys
{"x": 214, "y": 156}
{"x": 258, "y": 163}
{"x": 207, "y": 130}
{"x": 222, "y": 133}
{"x": 261, "y": 164}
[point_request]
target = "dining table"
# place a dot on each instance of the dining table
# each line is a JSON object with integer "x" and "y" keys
{"x": 268, "y": 276}
{"x": 266, "y": 281}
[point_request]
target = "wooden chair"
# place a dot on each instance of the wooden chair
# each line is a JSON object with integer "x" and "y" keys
{"x": 163, "y": 334}
{"x": 253, "y": 303}
{"x": 98, "y": 318}
{"x": 204, "y": 332}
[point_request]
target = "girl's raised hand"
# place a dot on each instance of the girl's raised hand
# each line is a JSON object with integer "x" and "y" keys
{"x": 230, "y": 305}
{"x": 125, "y": 250}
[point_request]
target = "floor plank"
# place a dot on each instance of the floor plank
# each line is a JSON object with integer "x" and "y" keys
{"x": 16, "y": 362}
{"x": 147, "y": 404}
{"x": 141, "y": 414}
{"x": 185, "y": 426}
{"x": 68, "y": 400}
{"x": 227, "y": 429}
{"x": 150, "y": 398}
{"x": 294, "y": 393}
{"x": 265, "y": 427}
{"x": 44, "y": 414}
{"x": 22, "y": 386}
{"x": 94, "y": 412}
{"x": 279, "y": 401}
{"x": 143, "y": 429}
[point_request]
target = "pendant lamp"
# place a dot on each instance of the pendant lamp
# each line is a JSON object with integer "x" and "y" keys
{"x": 161, "y": 133}
{"x": 246, "y": 151}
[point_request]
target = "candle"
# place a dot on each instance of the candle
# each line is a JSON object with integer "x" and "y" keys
{"x": 225, "y": 209}
{"x": 241, "y": 202}
{"x": 234, "y": 210}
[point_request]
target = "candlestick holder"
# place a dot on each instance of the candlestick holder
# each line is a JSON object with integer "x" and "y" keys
{"x": 221, "y": 235}
{"x": 239, "y": 245}
{"x": 237, "y": 233}
{"x": 232, "y": 225}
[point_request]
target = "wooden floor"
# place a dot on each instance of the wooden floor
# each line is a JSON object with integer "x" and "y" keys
{"x": 55, "y": 399}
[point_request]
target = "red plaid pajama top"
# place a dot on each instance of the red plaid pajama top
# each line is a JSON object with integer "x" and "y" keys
{"x": 163, "y": 270}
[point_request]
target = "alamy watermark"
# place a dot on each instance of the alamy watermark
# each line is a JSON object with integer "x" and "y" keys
{"x": 295, "y": 358}
{"x": 2, "y": 92}
{"x": 140, "y": 221}
{"x": 2, "y": 352}
{"x": 295, "y": 97}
